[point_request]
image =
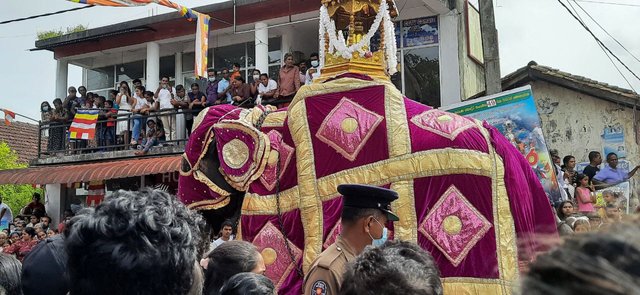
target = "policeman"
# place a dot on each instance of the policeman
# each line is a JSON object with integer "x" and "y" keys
{"x": 365, "y": 212}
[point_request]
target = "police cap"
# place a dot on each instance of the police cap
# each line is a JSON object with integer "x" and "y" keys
{"x": 368, "y": 196}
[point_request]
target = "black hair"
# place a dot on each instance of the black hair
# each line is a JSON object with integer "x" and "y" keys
{"x": 140, "y": 242}
{"x": 227, "y": 223}
{"x": 247, "y": 283}
{"x": 195, "y": 84}
{"x": 224, "y": 69}
{"x": 37, "y": 196}
{"x": 43, "y": 104}
{"x": 165, "y": 76}
{"x": 47, "y": 217}
{"x": 226, "y": 260}
{"x": 142, "y": 89}
{"x": 397, "y": 267}
{"x": 179, "y": 87}
{"x": 81, "y": 86}
{"x": 128, "y": 88}
{"x": 10, "y": 280}
{"x": 212, "y": 70}
{"x": 611, "y": 154}
{"x": 605, "y": 262}
{"x": 239, "y": 78}
{"x": 264, "y": 75}
{"x": 148, "y": 93}
{"x": 57, "y": 100}
{"x": 114, "y": 92}
{"x": 559, "y": 209}
{"x": 109, "y": 101}
{"x": 566, "y": 159}
{"x": 136, "y": 81}
{"x": 314, "y": 54}
{"x": 259, "y": 72}
{"x": 593, "y": 155}
{"x": 580, "y": 177}
{"x": 30, "y": 230}
{"x": 352, "y": 214}
{"x": 237, "y": 65}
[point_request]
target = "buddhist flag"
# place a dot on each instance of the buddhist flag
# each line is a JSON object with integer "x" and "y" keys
{"x": 202, "y": 45}
{"x": 9, "y": 116}
{"x": 95, "y": 193}
{"x": 84, "y": 124}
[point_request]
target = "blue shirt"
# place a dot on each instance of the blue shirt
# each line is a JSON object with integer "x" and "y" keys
{"x": 222, "y": 85}
{"x": 611, "y": 176}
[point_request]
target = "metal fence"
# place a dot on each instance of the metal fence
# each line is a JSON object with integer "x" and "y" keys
{"x": 121, "y": 140}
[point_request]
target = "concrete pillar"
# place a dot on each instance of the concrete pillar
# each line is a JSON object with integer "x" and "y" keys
{"x": 178, "y": 64}
{"x": 450, "y": 80}
{"x": 262, "y": 47}
{"x": 54, "y": 198}
{"x": 153, "y": 65}
{"x": 62, "y": 73}
{"x": 287, "y": 40}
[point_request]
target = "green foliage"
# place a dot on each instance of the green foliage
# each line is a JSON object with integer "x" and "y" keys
{"x": 16, "y": 196}
{"x": 59, "y": 32}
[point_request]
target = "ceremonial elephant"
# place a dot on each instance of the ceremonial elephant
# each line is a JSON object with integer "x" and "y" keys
{"x": 466, "y": 194}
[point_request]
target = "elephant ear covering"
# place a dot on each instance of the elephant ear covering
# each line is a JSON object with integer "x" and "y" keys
{"x": 242, "y": 150}
{"x": 195, "y": 188}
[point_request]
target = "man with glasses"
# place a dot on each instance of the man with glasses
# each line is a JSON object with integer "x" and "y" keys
{"x": 224, "y": 87}
{"x": 611, "y": 174}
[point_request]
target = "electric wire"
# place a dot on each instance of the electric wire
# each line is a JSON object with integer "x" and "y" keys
{"x": 597, "y": 39}
{"x": 45, "y": 14}
{"x": 606, "y": 32}
{"x": 609, "y": 3}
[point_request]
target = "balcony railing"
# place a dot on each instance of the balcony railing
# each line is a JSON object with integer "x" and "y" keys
{"x": 47, "y": 136}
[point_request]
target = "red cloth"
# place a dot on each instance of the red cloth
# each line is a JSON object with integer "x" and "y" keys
{"x": 20, "y": 248}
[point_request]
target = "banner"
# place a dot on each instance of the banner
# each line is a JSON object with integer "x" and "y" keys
{"x": 613, "y": 138}
{"x": 514, "y": 114}
{"x": 621, "y": 191}
{"x": 84, "y": 124}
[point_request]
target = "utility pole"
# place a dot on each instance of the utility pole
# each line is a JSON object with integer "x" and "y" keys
{"x": 490, "y": 48}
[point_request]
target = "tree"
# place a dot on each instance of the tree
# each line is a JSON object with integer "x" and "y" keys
{"x": 15, "y": 196}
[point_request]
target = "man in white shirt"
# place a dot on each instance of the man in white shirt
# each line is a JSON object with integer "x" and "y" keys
{"x": 6, "y": 216}
{"x": 164, "y": 94}
{"x": 227, "y": 230}
{"x": 266, "y": 88}
{"x": 314, "y": 71}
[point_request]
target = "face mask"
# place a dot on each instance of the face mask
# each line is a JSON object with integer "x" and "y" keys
{"x": 314, "y": 63}
{"x": 45, "y": 109}
{"x": 211, "y": 79}
{"x": 381, "y": 240}
{"x": 256, "y": 77}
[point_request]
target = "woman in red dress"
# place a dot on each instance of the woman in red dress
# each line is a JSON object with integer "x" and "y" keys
{"x": 22, "y": 247}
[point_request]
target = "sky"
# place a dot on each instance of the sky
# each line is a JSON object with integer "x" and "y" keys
{"x": 539, "y": 30}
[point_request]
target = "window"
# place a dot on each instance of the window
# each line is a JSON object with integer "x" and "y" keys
{"x": 130, "y": 71}
{"x": 100, "y": 78}
{"x": 167, "y": 68}
{"x": 418, "y": 76}
{"x": 422, "y": 75}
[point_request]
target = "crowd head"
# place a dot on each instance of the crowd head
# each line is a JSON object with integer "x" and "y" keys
{"x": 228, "y": 259}
{"x": 133, "y": 243}
{"x": 605, "y": 262}
{"x": 404, "y": 267}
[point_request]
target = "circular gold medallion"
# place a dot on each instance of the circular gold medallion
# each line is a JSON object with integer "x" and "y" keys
{"x": 452, "y": 225}
{"x": 273, "y": 158}
{"x": 349, "y": 125}
{"x": 269, "y": 255}
{"x": 235, "y": 153}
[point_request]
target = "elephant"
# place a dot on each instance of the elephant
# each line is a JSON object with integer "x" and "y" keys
{"x": 466, "y": 195}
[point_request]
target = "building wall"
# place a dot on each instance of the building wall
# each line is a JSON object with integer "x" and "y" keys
{"x": 573, "y": 123}
{"x": 471, "y": 72}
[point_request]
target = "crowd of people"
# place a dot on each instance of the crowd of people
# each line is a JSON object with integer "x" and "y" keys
{"x": 580, "y": 209}
{"x": 24, "y": 231}
{"x": 141, "y": 117}
{"x": 147, "y": 242}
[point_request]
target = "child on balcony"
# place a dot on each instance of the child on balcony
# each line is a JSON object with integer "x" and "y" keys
{"x": 152, "y": 139}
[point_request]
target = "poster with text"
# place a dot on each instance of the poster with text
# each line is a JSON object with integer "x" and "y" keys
{"x": 420, "y": 31}
{"x": 613, "y": 138}
{"x": 514, "y": 114}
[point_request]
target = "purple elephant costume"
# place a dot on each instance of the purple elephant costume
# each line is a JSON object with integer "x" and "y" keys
{"x": 466, "y": 195}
